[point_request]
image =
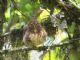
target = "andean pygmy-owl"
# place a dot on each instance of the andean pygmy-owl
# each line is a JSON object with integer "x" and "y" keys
{"x": 34, "y": 34}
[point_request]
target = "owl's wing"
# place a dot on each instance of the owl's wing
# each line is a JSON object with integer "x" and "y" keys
{"x": 26, "y": 39}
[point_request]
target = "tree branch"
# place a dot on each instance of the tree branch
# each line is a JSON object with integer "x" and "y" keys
{"x": 67, "y": 43}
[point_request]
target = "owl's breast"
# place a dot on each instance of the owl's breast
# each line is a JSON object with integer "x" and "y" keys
{"x": 37, "y": 39}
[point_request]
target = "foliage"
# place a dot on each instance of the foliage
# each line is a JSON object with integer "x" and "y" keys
{"x": 61, "y": 20}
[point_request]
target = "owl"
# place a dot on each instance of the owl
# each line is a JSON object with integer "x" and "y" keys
{"x": 34, "y": 34}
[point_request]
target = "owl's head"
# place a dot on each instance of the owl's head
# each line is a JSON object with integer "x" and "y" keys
{"x": 34, "y": 26}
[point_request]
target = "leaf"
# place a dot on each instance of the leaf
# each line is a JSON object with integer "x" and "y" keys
{"x": 76, "y": 3}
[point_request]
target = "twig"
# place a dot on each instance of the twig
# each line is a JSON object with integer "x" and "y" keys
{"x": 6, "y": 34}
{"x": 39, "y": 48}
